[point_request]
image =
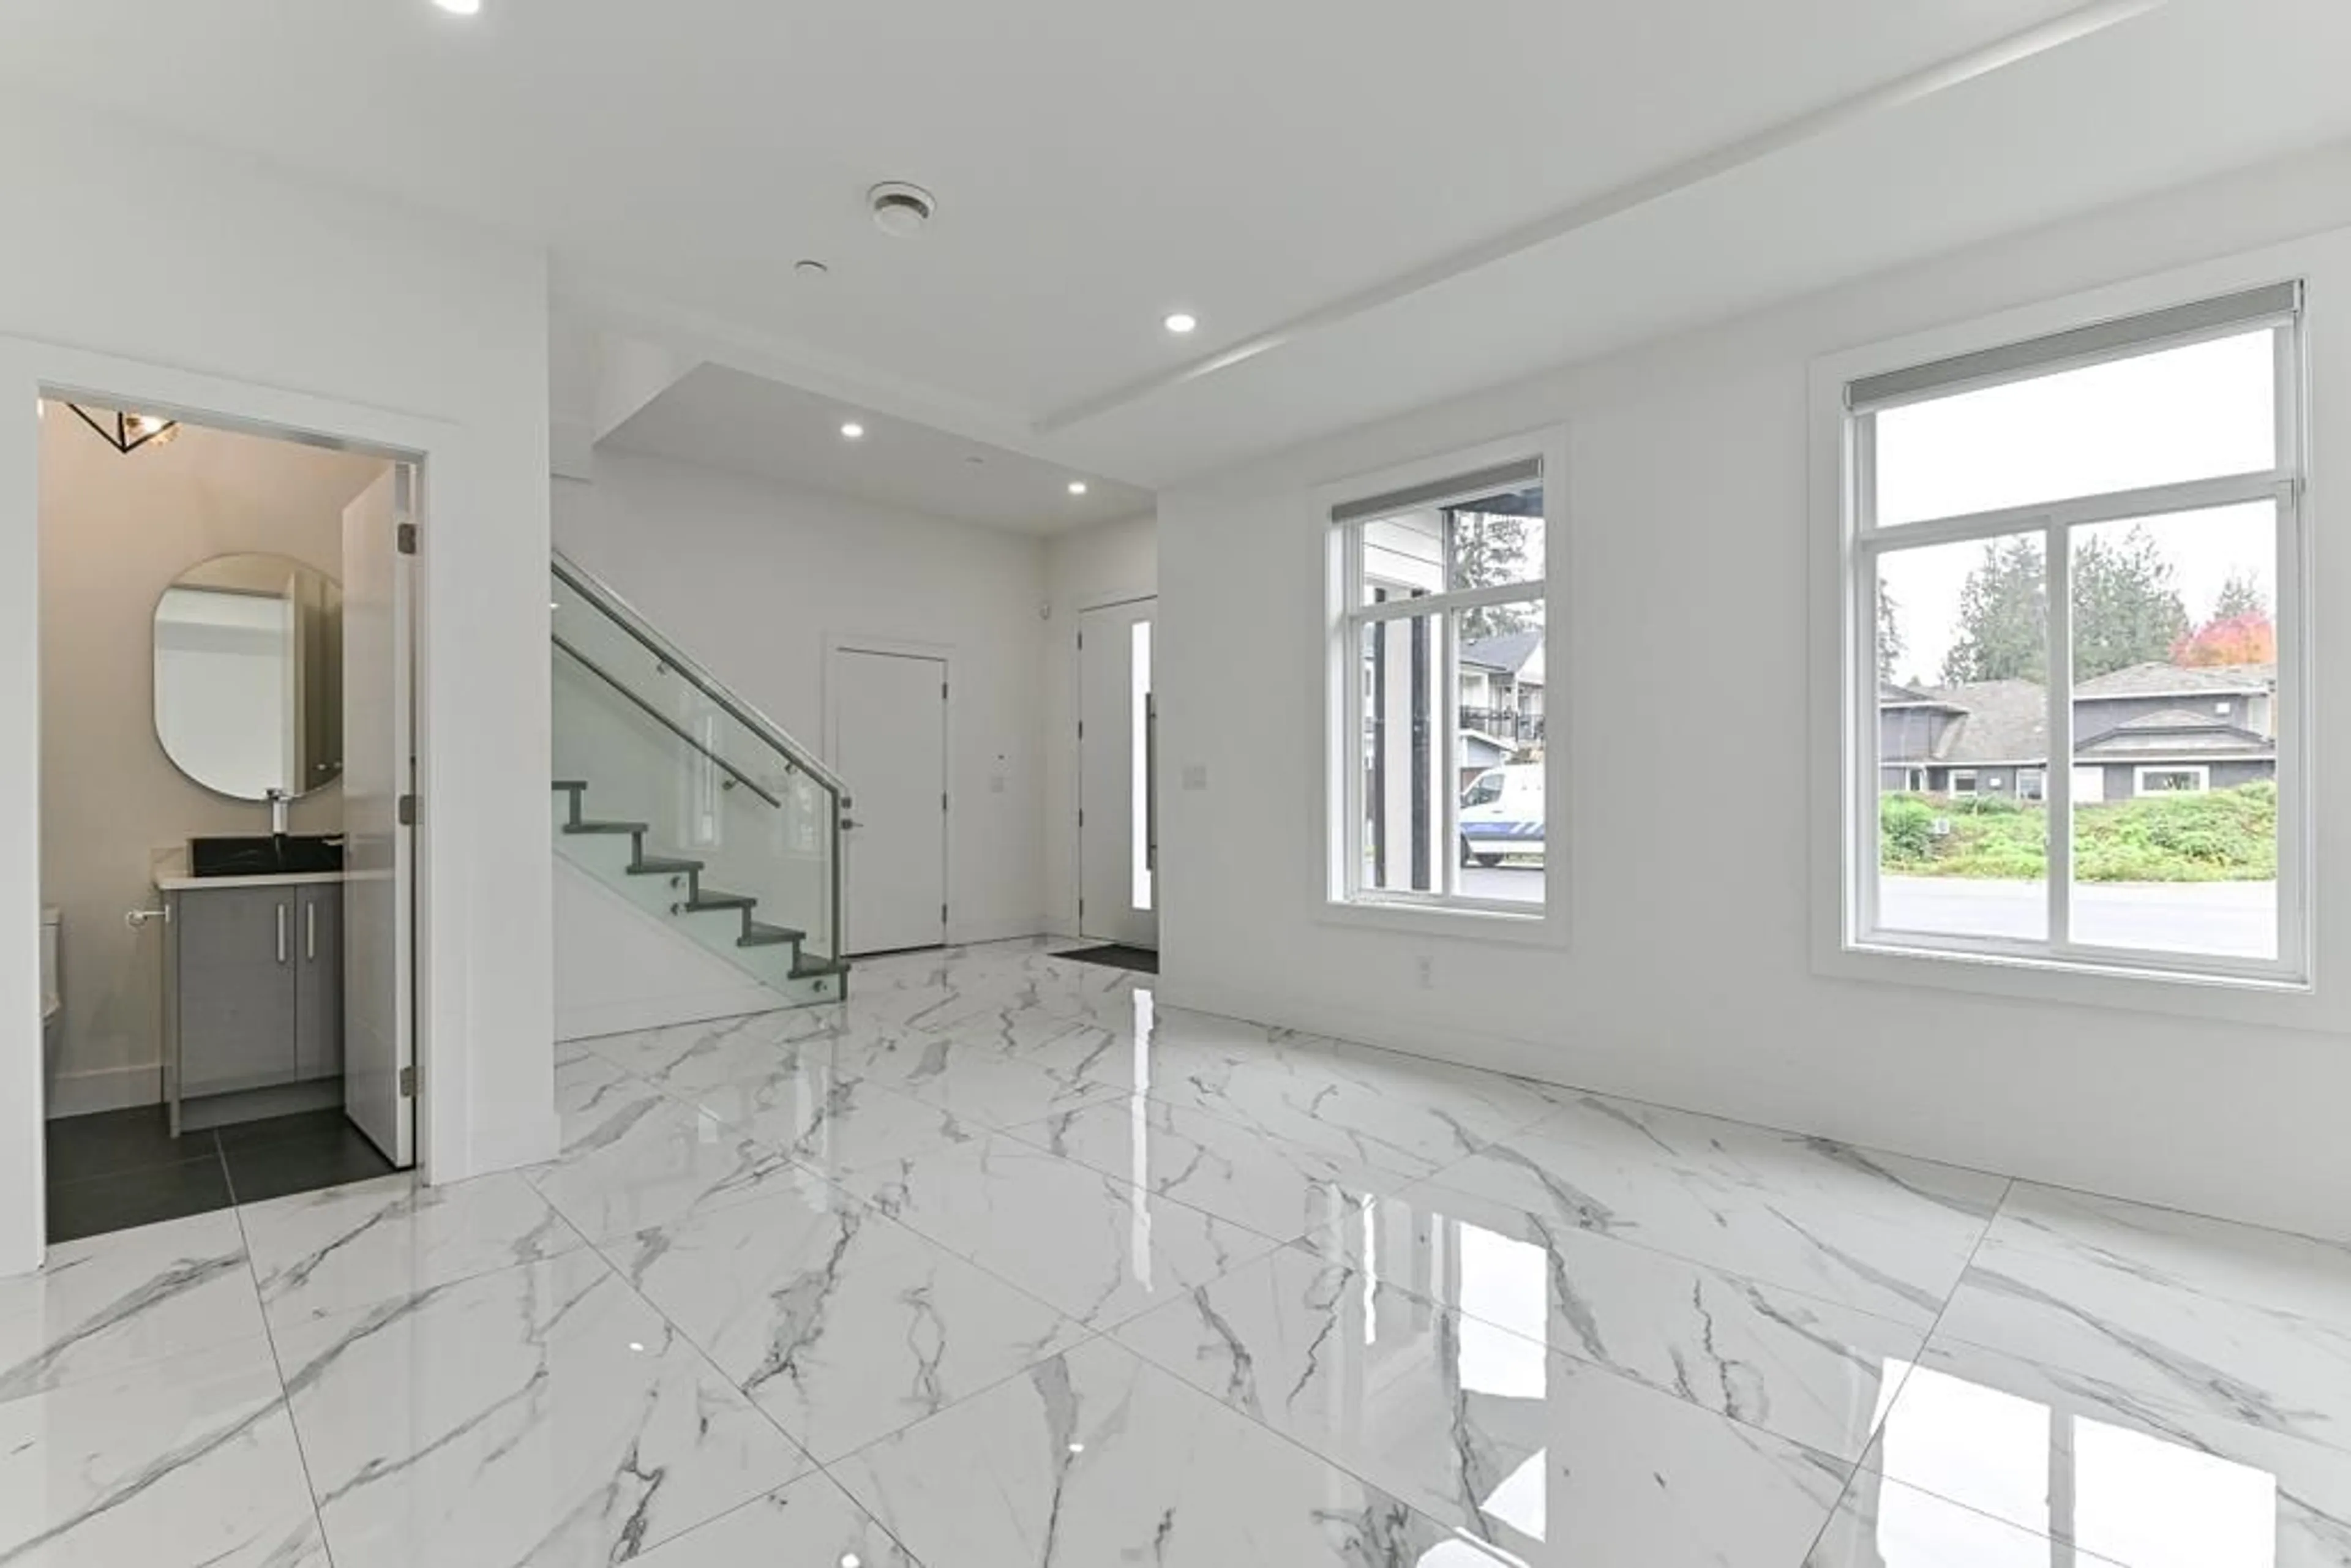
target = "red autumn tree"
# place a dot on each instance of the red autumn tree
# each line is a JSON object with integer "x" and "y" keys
{"x": 2247, "y": 639}
{"x": 2239, "y": 632}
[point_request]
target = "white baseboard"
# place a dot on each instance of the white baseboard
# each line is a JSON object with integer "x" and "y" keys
{"x": 1459, "y": 1046}
{"x": 972, "y": 933}
{"x": 103, "y": 1089}
{"x": 660, "y": 1012}
{"x": 511, "y": 1147}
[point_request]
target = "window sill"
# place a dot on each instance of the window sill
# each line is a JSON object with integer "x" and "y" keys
{"x": 1533, "y": 925}
{"x": 2280, "y": 1001}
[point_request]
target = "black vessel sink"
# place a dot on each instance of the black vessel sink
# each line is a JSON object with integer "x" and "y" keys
{"x": 263, "y": 855}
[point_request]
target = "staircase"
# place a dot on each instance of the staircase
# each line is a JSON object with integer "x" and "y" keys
{"x": 702, "y": 789}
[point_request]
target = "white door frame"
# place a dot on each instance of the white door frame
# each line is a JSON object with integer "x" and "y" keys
{"x": 447, "y": 461}
{"x": 1078, "y": 755}
{"x": 836, "y": 644}
{"x": 1074, "y": 767}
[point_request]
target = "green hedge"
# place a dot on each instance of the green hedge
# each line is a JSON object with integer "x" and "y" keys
{"x": 2222, "y": 835}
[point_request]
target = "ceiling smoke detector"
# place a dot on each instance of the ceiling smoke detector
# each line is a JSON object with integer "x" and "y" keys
{"x": 900, "y": 209}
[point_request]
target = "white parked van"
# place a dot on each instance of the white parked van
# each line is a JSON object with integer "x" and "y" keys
{"x": 1503, "y": 815}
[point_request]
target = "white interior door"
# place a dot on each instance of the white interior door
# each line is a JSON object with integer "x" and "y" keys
{"x": 378, "y": 1038}
{"x": 1117, "y": 817}
{"x": 889, "y": 747}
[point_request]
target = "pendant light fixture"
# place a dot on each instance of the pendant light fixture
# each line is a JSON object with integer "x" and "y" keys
{"x": 127, "y": 433}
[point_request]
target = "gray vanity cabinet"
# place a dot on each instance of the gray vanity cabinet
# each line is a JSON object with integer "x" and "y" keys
{"x": 319, "y": 983}
{"x": 255, "y": 986}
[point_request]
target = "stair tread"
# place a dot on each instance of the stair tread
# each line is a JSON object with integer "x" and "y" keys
{"x": 571, "y": 783}
{"x": 716, "y": 898}
{"x": 757, "y": 933}
{"x": 663, "y": 865}
{"x": 608, "y": 828}
{"x": 809, "y": 968}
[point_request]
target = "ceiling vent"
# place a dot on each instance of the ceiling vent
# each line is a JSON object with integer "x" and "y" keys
{"x": 901, "y": 209}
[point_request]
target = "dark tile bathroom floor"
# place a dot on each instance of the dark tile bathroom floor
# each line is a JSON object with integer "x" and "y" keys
{"x": 118, "y": 1169}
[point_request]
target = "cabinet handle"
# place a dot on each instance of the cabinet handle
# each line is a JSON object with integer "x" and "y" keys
{"x": 281, "y": 934}
{"x": 310, "y": 932}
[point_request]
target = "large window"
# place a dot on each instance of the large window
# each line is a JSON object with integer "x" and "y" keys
{"x": 2073, "y": 564}
{"x": 1439, "y": 730}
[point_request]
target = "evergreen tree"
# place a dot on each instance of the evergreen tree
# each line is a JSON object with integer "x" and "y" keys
{"x": 2003, "y": 616}
{"x": 2126, "y": 610}
{"x": 1489, "y": 550}
{"x": 1891, "y": 644}
{"x": 2240, "y": 596}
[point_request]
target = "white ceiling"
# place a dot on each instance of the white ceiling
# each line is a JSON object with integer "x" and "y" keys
{"x": 1326, "y": 165}
{"x": 750, "y": 424}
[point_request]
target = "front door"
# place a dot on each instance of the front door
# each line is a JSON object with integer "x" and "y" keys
{"x": 890, "y": 747}
{"x": 1117, "y": 815}
{"x": 379, "y": 1015}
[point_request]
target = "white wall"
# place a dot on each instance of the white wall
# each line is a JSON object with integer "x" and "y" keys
{"x": 115, "y": 532}
{"x": 1100, "y": 565}
{"x": 616, "y": 969}
{"x": 209, "y": 279}
{"x": 1689, "y": 977}
{"x": 752, "y": 578}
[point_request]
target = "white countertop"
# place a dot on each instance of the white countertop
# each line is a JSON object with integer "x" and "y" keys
{"x": 172, "y": 876}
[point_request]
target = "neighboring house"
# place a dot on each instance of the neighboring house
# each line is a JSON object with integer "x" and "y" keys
{"x": 1501, "y": 693}
{"x": 2142, "y": 730}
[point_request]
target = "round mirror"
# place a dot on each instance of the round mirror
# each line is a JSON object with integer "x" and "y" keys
{"x": 249, "y": 676}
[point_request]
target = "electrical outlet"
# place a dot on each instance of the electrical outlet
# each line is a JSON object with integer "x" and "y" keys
{"x": 1196, "y": 775}
{"x": 1425, "y": 968}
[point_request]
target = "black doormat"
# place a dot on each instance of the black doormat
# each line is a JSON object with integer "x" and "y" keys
{"x": 1118, "y": 955}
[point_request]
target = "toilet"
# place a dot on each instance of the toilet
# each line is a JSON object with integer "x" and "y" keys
{"x": 53, "y": 1000}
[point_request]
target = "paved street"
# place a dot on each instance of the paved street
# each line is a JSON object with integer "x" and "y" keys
{"x": 1521, "y": 882}
{"x": 2232, "y": 919}
{"x": 2237, "y": 919}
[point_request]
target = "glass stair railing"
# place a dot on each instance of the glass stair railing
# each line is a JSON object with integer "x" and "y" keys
{"x": 675, "y": 792}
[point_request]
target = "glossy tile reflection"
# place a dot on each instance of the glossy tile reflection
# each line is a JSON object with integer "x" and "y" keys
{"x": 1803, "y": 1368}
{"x": 2138, "y": 1486}
{"x": 1001, "y": 1264}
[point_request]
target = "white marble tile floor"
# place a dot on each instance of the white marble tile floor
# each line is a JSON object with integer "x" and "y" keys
{"x": 999, "y": 1264}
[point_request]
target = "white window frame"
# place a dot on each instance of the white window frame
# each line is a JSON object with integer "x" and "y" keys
{"x": 2040, "y": 783}
{"x": 2203, "y": 778}
{"x": 1848, "y": 941}
{"x": 1958, "y": 792}
{"x": 1339, "y": 894}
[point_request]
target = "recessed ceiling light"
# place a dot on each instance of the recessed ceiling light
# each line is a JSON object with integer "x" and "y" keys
{"x": 852, "y": 430}
{"x": 1182, "y": 321}
{"x": 460, "y": 8}
{"x": 1077, "y": 487}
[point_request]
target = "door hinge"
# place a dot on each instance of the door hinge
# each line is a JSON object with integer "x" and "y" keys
{"x": 1081, "y": 729}
{"x": 943, "y": 691}
{"x": 1082, "y": 817}
{"x": 407, "y": 811}
{"x": 408, "y": 1083}
{"x": 404, "y": 539}
{"x": 943, "y": 799}
{"x": 943, "y": 915}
